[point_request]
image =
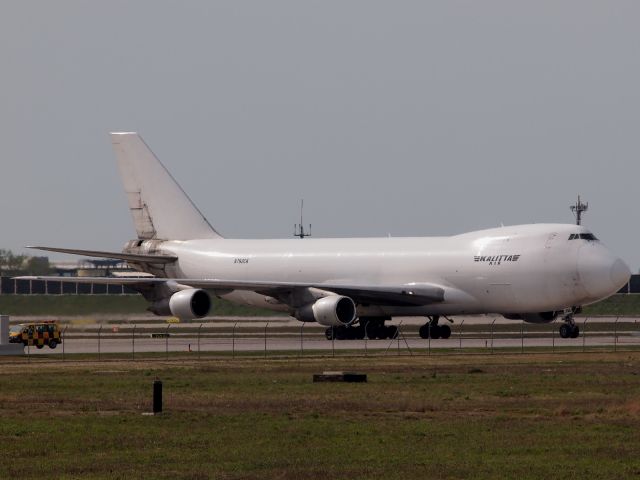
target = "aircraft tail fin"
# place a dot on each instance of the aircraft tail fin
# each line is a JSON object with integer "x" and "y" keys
{"x": 159, "y": 207}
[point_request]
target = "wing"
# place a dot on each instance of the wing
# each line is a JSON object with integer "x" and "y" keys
{"x": 398, "y": 295}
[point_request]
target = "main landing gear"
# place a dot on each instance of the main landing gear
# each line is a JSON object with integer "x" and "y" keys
{"x": 569, "y": 329}
{"x": 431, "y": 329}
{"x": 372, "y": 328}
{"x": 345, "y": 333}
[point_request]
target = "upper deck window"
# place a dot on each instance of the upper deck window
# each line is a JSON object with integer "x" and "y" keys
{"x": 583, "y": 236}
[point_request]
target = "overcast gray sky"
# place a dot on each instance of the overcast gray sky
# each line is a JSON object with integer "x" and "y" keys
{"x": 400, "y": 117}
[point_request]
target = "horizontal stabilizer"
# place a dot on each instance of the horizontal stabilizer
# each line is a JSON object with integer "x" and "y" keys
{"x": 130, "y": 257}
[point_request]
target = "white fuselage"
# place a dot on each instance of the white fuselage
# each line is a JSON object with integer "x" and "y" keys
{"x": 519, "y": 269}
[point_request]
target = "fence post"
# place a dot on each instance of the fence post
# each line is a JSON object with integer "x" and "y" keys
{"x": 522, "y": 337}
{"x": 333, "y": 341}
{"x": 166, "y": 342}
{"x": 615, "y": 335}
{"x": 584, "y": 334}
{"x": 265, "y": 339}
{"x": 553, "y": 338}
{"x": 492, "y": 324}
{"x": 301, "y": 339}
{"x": 404, "y": 339}
{"x": 460, "y": 333}
{"x": 199, "y": 332}
{"x": 366, "y": 338}
{"x": 398, "y": 338}
{"x": 429, "y": 340}
{"x": 233, "y": 340}
{"x": 133, "y": 343}
{"x": 64, "y": 339}
{"x": 99, "y": 337}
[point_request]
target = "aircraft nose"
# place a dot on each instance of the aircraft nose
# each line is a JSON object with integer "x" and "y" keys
{"x": 602, "y": 274}
{"x": 620, "y": 273}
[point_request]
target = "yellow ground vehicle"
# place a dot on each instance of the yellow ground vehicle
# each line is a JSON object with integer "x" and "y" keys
{"x": 36, "y": 334}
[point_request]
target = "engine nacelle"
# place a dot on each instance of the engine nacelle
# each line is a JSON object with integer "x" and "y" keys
{"x": 185, "y": 304}
{"x": 331, "y": 311}
{"x": 542, "y": 317}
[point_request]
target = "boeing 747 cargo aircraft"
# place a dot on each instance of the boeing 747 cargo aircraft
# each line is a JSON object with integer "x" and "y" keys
{"x": 535, "y": 273}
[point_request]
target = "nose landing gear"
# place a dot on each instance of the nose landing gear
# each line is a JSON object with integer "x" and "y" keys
{"x": 569, "y": 329}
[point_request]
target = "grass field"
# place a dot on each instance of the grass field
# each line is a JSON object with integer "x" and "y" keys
{"x": 615, "y": 305}
{"x": 519, "y": 416}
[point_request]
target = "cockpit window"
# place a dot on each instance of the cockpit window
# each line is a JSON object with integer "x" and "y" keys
{"x": 583, "y": 236}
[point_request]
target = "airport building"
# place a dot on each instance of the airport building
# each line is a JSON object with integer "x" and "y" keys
{"x": 82, "y": 268}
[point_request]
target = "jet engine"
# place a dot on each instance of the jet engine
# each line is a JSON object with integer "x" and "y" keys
{"x": 542, "y": 317}
{"x": 331, "y": 311}
{"x": 184, "y": 304}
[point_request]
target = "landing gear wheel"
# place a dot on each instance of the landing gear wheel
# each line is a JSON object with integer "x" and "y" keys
{"x": 329, "y": 333}
{"x": 53, "y": 344}
{"x": 377, "y": 332}
{"x": 435, "y": 332}
{"x": 392, "y": 332}
{"x": 431, "y": 329}
{"x": 358, "y": 332}
{"x": 424, "y": 331}
{"x": 569, "y": 329}
{"x": 445, "y": 331}
{"x": 383, "y": 333}
{"x": 38, "y": 346}
{"x": 345, "y": 333}
{"x": 373, "y": 328}
{"x": 372, "y": 331}
{"x": 353, "y": 333}
{"x": 575, "y": 331}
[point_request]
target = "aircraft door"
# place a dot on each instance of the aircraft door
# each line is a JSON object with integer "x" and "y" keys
{"x": 559, "y": 258}
{"x": 498, "y": 294}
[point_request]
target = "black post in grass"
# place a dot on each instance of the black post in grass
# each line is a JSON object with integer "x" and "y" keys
{"x": 157, "y": 397}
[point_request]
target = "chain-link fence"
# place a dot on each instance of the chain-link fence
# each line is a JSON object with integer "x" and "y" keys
{"x": 277, "y": 338}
